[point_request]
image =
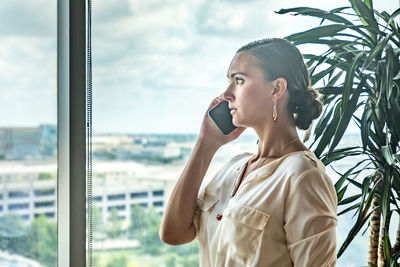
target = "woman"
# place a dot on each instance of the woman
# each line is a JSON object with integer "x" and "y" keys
{"x": 274, "y": 208}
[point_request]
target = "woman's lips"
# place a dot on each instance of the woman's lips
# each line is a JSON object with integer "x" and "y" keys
{"x": 233, "y": 110}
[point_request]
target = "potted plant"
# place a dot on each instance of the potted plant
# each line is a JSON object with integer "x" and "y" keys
{"x": 360, "y": 73}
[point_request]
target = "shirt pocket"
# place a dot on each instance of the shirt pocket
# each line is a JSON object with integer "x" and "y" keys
{"x": 241, "y": 230}
{"x": 205, "y": 206}
{"x": 207, "y": 203}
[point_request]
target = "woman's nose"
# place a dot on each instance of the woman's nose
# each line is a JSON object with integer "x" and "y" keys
{"x": 227, "y": 94}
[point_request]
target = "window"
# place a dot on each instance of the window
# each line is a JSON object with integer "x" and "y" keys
{"x": 18, "y": 206}
{"x": 116, "y": 197}
{"x": 158, "y": 204}
{"x": 139, "y": 195}
{"x": 120, "y": 207}
{"x": 49, "y": 215}
{"x": 44, "y": 192}
{"x": 44, "y": 204}
{"x": 46, "y": 215}
{"x": 97, "y": 198}
{"x": 18, "y": 194}
{"x": 158, "y": 193}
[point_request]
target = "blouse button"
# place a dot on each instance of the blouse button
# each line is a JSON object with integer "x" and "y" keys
{"x": 219, "y": 217}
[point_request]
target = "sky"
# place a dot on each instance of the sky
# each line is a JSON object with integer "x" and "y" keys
{"x": 157, "y": 64}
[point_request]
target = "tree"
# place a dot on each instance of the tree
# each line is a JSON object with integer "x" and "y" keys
{"x": 185, "y": 250}
{"x": 13, "y": 231}
{"x": 360, "y": 72}
{"x": 171, "y": 260}
{"x": 144, "y": 227}
{"x": 97, "y": 219}
{"x": 45, "y": 176}
{"x": 119, "y": 260}
{"x": 139, "y": 221}
{"x": 36, "y": 241}
{"x": 41, "y": 241}
{"x": 190, "y": 261}
{"x": 114, "y": 225}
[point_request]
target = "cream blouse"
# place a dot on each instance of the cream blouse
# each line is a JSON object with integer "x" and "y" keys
{"x": 283, "y": 214}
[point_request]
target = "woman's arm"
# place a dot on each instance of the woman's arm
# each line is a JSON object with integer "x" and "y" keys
{"x": 177, "y": 225}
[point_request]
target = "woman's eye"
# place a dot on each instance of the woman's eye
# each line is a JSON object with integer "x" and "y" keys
{"x": 239, "y": 81}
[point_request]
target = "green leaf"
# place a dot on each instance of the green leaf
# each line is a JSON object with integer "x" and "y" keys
{"x": 331, "y": 16}
{"x": 316, "y": 33}
{"x": 365, "y": 125}
{"x": 396, "y": 256}
{"x": 323, "y": 122}
{"x": 354, "y": 182}
{"x": 348, "y": 112}
{"x": 344, "y": 177}
{"x": 349, "y": 209}
{"x": 393, "y": 16}
{"x": 395, "y": 114}
{"x": 316, "y": 77}
{"x": 329, "y": 132}
{"x": 388, "y": 155}
{"x": 368, "y": 3}
{"x": 330, "y": 90}
{"x": 324, "y": 59}
{"x": 349, "y": 199}
{"x": 315, "y": 12}
{"x": 366, "y": 16}
{"x": 388, "y": 247}
{"x": 365, "y": 192}
{"x": 384, "y": 201}
{"x": 353, "y": 232}
{"x": 333, "y": 80}
{"x": 339, "y": 154}
{"x": 348, "y": 83}
{"x": 377, "y": 50}
{"x": 340, "y": 194}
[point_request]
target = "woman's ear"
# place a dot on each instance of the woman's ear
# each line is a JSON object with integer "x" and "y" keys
{"x": 280, "y": 87}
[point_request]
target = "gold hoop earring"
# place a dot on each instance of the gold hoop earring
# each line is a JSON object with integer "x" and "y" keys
{"x": 274, "y": 113}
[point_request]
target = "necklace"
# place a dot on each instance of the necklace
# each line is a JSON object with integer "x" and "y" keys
{"x": 288, "y": 144}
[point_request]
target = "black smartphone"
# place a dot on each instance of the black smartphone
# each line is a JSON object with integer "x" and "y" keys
{"x": 221, "y": 115}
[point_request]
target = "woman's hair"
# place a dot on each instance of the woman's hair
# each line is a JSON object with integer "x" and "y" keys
{"x": 279, "y": 58}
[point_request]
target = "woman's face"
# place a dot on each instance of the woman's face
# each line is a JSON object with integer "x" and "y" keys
{"x": 249, "y": 94}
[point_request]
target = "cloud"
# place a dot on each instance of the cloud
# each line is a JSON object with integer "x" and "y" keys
{"x": 28, "y": 18}
{"x": 107, "y": 11}
{"x": 147, "y": 55}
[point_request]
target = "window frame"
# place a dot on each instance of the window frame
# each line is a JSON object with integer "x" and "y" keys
{"x": 71, "y": 125}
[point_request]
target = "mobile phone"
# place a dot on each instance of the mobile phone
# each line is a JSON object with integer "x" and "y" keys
{"x": 222, "y": 117}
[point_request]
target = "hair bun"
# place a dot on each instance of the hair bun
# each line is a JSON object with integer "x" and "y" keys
{"x": 305, "y": 106}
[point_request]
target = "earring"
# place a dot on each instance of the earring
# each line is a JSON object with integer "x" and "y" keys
{"x": 274, "y": 113}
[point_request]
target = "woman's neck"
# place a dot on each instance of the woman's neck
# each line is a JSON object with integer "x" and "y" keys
{"x": 278, "y": 140}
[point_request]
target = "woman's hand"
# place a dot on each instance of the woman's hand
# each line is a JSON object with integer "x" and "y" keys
{"x": 211, "y": 134}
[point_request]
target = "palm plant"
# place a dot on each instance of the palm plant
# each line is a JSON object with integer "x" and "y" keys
{"x": 360, "y": 76}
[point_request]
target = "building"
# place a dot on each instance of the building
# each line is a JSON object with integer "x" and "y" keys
{"x": 20, "y": 143}
{"x": 31, "y": 190}
{"x": 28, "y": 143}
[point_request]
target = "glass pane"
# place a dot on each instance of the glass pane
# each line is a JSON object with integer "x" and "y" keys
{"x": 156, "y": 67}
{"x": 28, "y": 133}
